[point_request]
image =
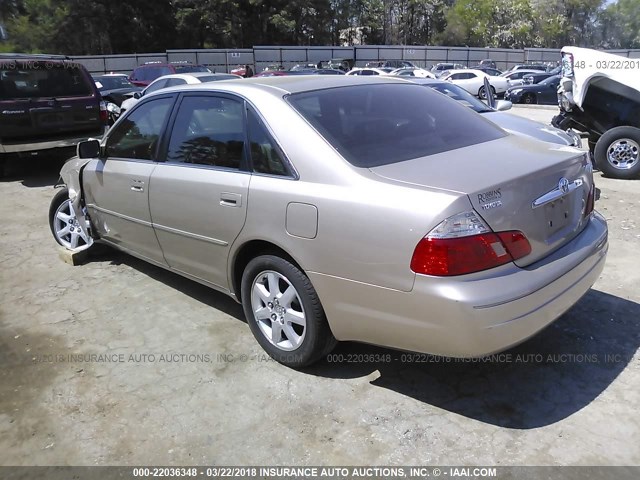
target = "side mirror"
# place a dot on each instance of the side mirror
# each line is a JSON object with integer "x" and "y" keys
{"x": 502, "y": 105}
{"x": 137, "y": 94}
{"x": 88, "y": 149}
{"x": 491, "y": 99}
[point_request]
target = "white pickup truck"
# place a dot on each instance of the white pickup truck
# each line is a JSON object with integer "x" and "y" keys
{"x": 599, "y": 94}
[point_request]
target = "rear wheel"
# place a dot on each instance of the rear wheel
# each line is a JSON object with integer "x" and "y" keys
{"x": 529, "y": 98}
{"x": 482, "y": 93}
{"x": 617, "y": 153}
{"x": 284, "y": 312}
{"x": 64, "y": 224}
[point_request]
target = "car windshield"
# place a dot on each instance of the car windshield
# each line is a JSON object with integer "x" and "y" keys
{"x": 461, "y": 95}
{"x": 191, "y": 68}
{"x": 113, "y": 82}
{"x": 35, "y": 79}
{"x": 373, "y": 125}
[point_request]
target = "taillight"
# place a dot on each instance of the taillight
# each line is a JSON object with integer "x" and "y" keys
{"x": 567, "y": 65}
{"x": 464, "y": 244}
{"x": 104, "y": 115}
{"x": 591, "y": 200}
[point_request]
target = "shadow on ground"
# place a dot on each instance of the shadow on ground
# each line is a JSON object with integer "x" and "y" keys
{"x": 195, "y": 290}
{"x": 32, "y": 172}
{"x": 546, "y": 379}
{"x": 542, "y": 381}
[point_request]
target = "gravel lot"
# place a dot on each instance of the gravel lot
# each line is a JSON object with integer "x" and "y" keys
{"x": 185, "y": 383}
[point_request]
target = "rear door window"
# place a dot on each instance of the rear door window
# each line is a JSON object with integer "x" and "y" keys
{"x": 373, "y": 125}
{"x": 208, "y": 130}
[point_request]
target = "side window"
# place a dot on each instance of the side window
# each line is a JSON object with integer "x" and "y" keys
{"x": 156, "y": 86}
{"x": 265, "y": 156}
{"x": 138, "y": 134}
{"x": 208, "y": 131}
{"x": 173, "y": 82}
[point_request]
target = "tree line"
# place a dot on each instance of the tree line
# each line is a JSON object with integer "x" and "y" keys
{"x": 79, "y": 27}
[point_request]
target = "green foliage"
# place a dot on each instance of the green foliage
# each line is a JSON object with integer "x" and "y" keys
{"x": 125, "y": 26}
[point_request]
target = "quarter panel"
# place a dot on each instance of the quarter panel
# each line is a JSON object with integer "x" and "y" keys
{"x": 367, "y": 231}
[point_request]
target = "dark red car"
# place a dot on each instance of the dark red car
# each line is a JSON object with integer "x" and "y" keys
{"x": 47, "y": 105}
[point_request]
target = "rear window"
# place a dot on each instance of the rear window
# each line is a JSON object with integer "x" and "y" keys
{"x": 37, "y": 79}
{"x": 113, "y": 83}
{"x": 151, "y": 73}
{"x": 373, "y": 125}
{"x": 214, "y": 78}
{"x": 190, "y": 68}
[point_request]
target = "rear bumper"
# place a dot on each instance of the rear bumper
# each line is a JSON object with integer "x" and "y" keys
{"x": 468, "y": 316}
{"x": 35, "y": 146}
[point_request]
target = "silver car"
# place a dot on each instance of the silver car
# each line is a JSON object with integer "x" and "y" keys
{"x": 344, "y": 208}
{"x": 511, "y": 123}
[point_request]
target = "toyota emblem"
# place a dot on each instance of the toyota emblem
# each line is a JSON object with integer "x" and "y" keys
{"x": 563, "y": 185}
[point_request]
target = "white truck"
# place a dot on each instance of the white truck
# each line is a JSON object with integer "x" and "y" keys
{"x": 599, "y": 94}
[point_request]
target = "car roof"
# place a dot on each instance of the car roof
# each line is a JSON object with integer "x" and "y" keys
{"x": 196, "y": 75}
{"x": 101, "y": 75}
{"x": 466, "y": 70}
{"x": 375, "y": 69}
{"x": 521, "y": 70}
{"x": 287, "y": 84}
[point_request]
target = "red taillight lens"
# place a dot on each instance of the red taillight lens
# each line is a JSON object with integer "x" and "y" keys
{"x": 104, "y": 115}
{"x": 516, "y": 244}
{"x": 473, "y": 253}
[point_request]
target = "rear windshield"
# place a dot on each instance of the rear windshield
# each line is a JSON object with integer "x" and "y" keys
{"x": 461, "y": 95}
{"x": 214, "y": 78}
{"x": 39, "y": 79}
{"x": 373, "y": 125}
{"x": 113, "y": 83}
{"x": 190, "y": 68}
{"x": 149, "y": 74}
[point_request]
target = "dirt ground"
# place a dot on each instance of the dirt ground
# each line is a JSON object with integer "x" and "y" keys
{"x": 116, "y": 362}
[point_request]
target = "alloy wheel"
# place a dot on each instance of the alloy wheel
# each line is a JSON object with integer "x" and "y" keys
{"x": 277, "y": 310}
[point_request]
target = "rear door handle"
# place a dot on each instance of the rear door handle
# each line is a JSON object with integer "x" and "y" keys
{"x": 228, "y": 199}
{"x": 137, "y": 185}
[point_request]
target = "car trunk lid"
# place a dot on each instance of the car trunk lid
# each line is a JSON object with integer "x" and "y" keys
{"x": 514, "y": 183}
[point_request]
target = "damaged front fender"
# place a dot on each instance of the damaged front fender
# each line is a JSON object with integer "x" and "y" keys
{"x": 71, "y": 174}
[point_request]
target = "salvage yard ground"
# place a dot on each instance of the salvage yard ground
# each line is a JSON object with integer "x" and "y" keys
{"x": 118, "y": 362}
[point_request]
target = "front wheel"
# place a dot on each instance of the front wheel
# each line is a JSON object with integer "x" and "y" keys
{"x": 529, "y": 99}
{"x": 284, "y": 312}
{"x": 64, "y": 224}
{"x": 617, "y": 153}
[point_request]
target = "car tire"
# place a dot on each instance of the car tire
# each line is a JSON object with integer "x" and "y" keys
{"x": 64, "y": 224}
{"x": 482, "y": 94}
{"x": 295, "y": 331}
{"x": 617, "y": 153}
{"x": 529, "y": 99}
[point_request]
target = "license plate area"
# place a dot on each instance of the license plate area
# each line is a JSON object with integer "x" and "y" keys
{"x": 558, "y": 214}
{"x": 53, "y": 119}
